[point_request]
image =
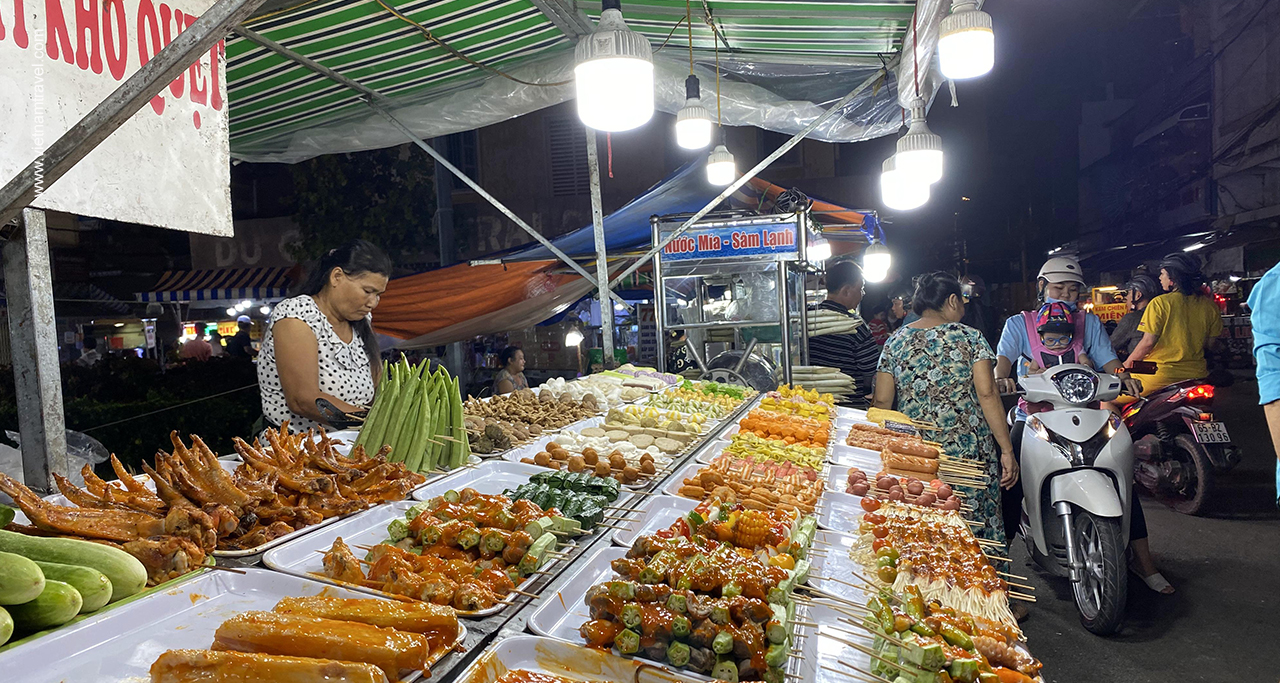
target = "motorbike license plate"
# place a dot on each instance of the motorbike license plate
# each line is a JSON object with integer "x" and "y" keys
{"x": 1210, "y": 432}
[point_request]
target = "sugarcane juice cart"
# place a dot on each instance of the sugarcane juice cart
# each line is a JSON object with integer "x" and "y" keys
{"x": 735, "y": 286}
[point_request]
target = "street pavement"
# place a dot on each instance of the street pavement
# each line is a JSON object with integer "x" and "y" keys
{"x": 1222, "y": 624}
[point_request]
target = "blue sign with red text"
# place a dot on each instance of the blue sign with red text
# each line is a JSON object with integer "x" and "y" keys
{"x": 733, "y": 241}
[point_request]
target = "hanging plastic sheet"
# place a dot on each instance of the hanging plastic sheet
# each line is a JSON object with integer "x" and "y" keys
{"x": 781, "y": 93}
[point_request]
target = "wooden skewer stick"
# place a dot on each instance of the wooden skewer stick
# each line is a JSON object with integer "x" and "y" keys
{"x": 874, "y": 631}
{"x": 856, "y": 677}
{"x": 524, "y": 593}
{"x": 221, "y": 568}
{"x": 1012, "y": 576}
{"x": 1020, "y": 596}
{"x": 872, "y": 653}
{"x": 868, "y": 674}
{"x": 810, "y": 624}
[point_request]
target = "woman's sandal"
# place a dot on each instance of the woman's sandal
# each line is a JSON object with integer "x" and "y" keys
{"x": 1155, "y": 582}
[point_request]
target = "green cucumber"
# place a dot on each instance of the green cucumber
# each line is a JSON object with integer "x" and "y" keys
{"x": 126, "y": 573}
{"x": 6, "y": 515}
{"x": 94, "y": 586}
{"x": 57, "y": 604}
{"x": 20, "y": 579}
{"x": 6, "y": 626}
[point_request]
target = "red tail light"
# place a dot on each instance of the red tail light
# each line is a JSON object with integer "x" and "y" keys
{"x": 1201, "y": 393}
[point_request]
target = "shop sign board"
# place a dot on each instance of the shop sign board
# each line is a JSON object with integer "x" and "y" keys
{"x": 733, "y": 241}
{"x": 647, "y": 345}
{"x": 1109, "y": 312}
{"x": 167, "y": 166}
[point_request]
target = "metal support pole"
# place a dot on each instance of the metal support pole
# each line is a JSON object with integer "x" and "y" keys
{"x": 33, "y": 339}
{"x": 659, "y": 300}
{"x": 602, "y": 258}
{"x": 735, "y": 185}
{"x": 122, "y": 104}
{"x": 378, "y": 102}
{"x": 784, "y": 320}
{"x": 444, "y": 207}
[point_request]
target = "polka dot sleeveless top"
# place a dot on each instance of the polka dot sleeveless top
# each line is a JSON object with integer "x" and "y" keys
{"x": 344, "y": 368}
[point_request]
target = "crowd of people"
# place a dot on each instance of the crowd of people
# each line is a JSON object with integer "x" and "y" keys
{"x": 939, "y": 354}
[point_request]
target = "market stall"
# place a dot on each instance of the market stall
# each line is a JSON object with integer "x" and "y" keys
{"x": 627, "y": 519}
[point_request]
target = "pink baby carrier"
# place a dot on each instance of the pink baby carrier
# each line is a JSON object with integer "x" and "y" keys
{"x": 1045, "y": 357}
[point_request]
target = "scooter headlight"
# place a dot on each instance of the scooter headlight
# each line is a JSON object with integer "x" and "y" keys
{"x": 1077, "y": 387}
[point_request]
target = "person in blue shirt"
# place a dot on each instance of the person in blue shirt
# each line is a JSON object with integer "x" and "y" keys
{"x": 1264, "y": 305}
{"x": 1061, "y": 280}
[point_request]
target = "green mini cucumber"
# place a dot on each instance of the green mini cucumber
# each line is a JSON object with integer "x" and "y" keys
{"x": 6, "y": 626}
{"x": 57, "y": 604}
{"x": 94, "y": 586}
{"x": 126, "y": 573}
{"x": 20, "y": 579}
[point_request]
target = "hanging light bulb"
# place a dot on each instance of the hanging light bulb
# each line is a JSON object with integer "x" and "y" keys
{"x": 876, "y": 261}
{"x": 573, "y": 338}
{"x": 614, "y": 74}
{"x": 966, "y": 42}
{"x": 900, "y": 192}
{"x": 265, "y": 310}
{"x": 232, "y": 312}
{"x": 819, "y": 250}
{"x": 693, "y": 121}
{"x": 920, "y": 150}
{"x": 721, "y": 170}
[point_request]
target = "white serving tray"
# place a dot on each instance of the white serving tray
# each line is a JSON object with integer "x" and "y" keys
{"x": 836, "y": 564}
{"x": 515, "y": 455}
{"x": 654, "y": 514}
{"x": 676, "y": 480}
{"x": 490, "y": 477}
{"x": 839, "y": 511}
{"x": 847, "y": 415}
{"x": 713, "y": 449}
{"x": 863, "y": 458}
{"x": 557, "y": 658}
{"x": 120, "y": 645}
{"x": 301, "y": 558}
{"x": 563, "y": 610}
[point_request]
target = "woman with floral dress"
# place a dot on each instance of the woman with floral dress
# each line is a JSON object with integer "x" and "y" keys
{"x": 941, "y": 372}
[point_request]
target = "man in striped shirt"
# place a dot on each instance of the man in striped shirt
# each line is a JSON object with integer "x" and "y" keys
{"x": 855, "y": 353}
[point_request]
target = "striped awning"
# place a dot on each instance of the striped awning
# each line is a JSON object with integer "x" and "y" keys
{"x": 234, "y": 284}
{"x": 282, "y": 111}
{"x": 272, "y": 97}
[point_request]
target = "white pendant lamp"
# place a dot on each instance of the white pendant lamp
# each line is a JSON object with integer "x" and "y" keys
{"x": 721, "y": 169}
{"x": 693, "y": 121}
{"x": 876, "y": 261}
{"x": 966, "y": 42}
{"x": 614, "y": 74}
{"x": 819, "y": 250}
{"x": 898, "y": 191}
{"x": 920, "y": 150}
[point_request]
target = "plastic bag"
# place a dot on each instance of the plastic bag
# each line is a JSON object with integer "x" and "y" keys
{"x": 81, "y": 449}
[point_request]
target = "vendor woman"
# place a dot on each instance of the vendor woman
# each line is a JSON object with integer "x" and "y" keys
{"x": 511, "y": 377}
{"x": 320, "y": 344}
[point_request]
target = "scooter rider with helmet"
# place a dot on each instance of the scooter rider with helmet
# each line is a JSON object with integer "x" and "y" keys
{"x": 1142, "y": 288}
{"x": 1179, "y": 326}
{"x": 1061, "y": 280}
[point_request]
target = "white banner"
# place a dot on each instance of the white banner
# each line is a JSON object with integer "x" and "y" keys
{"x": 169, "y": 165}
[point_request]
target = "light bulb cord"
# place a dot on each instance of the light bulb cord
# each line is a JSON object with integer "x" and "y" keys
{"x": 915, "y": 49}
{"x": 716, "y": 43}
{"x": 688, "y": 20}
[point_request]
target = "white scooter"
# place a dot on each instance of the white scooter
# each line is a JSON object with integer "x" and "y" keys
{"x": 1077, "y": 479}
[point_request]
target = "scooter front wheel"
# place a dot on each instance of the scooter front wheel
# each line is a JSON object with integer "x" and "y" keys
{"x": 1103, "y": 587}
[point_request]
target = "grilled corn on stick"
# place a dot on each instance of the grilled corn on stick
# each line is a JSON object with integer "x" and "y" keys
{"x": 208, "y": 666}
{"x": 437, "y": 622}
{"x": 348, "y": 641}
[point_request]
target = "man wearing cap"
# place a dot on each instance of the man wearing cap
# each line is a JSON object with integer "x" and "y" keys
{"x": 240, "y": 346}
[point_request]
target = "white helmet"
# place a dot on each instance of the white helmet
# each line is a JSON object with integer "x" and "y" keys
{"x": 1061, "y": 269}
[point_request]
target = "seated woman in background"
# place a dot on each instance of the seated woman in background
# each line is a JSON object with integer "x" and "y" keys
{"x": 511, "y": 377}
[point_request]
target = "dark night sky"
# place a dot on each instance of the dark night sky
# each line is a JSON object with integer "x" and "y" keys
{"x": 1011, "y": 145}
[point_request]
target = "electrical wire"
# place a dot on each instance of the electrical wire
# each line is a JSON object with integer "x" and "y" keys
{"x": 168, "y": 408}
{"x": 719, "y": 111}
{"x": 672, "y": 33}
{"x": 688, "y": 20}
{"x": 457, "y": 53}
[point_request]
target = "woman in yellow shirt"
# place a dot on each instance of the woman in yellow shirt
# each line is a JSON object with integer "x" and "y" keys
{"x": 1178, "y": 326}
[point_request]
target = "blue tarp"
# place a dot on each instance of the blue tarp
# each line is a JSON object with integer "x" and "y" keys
{"x": 684, "y": 191}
